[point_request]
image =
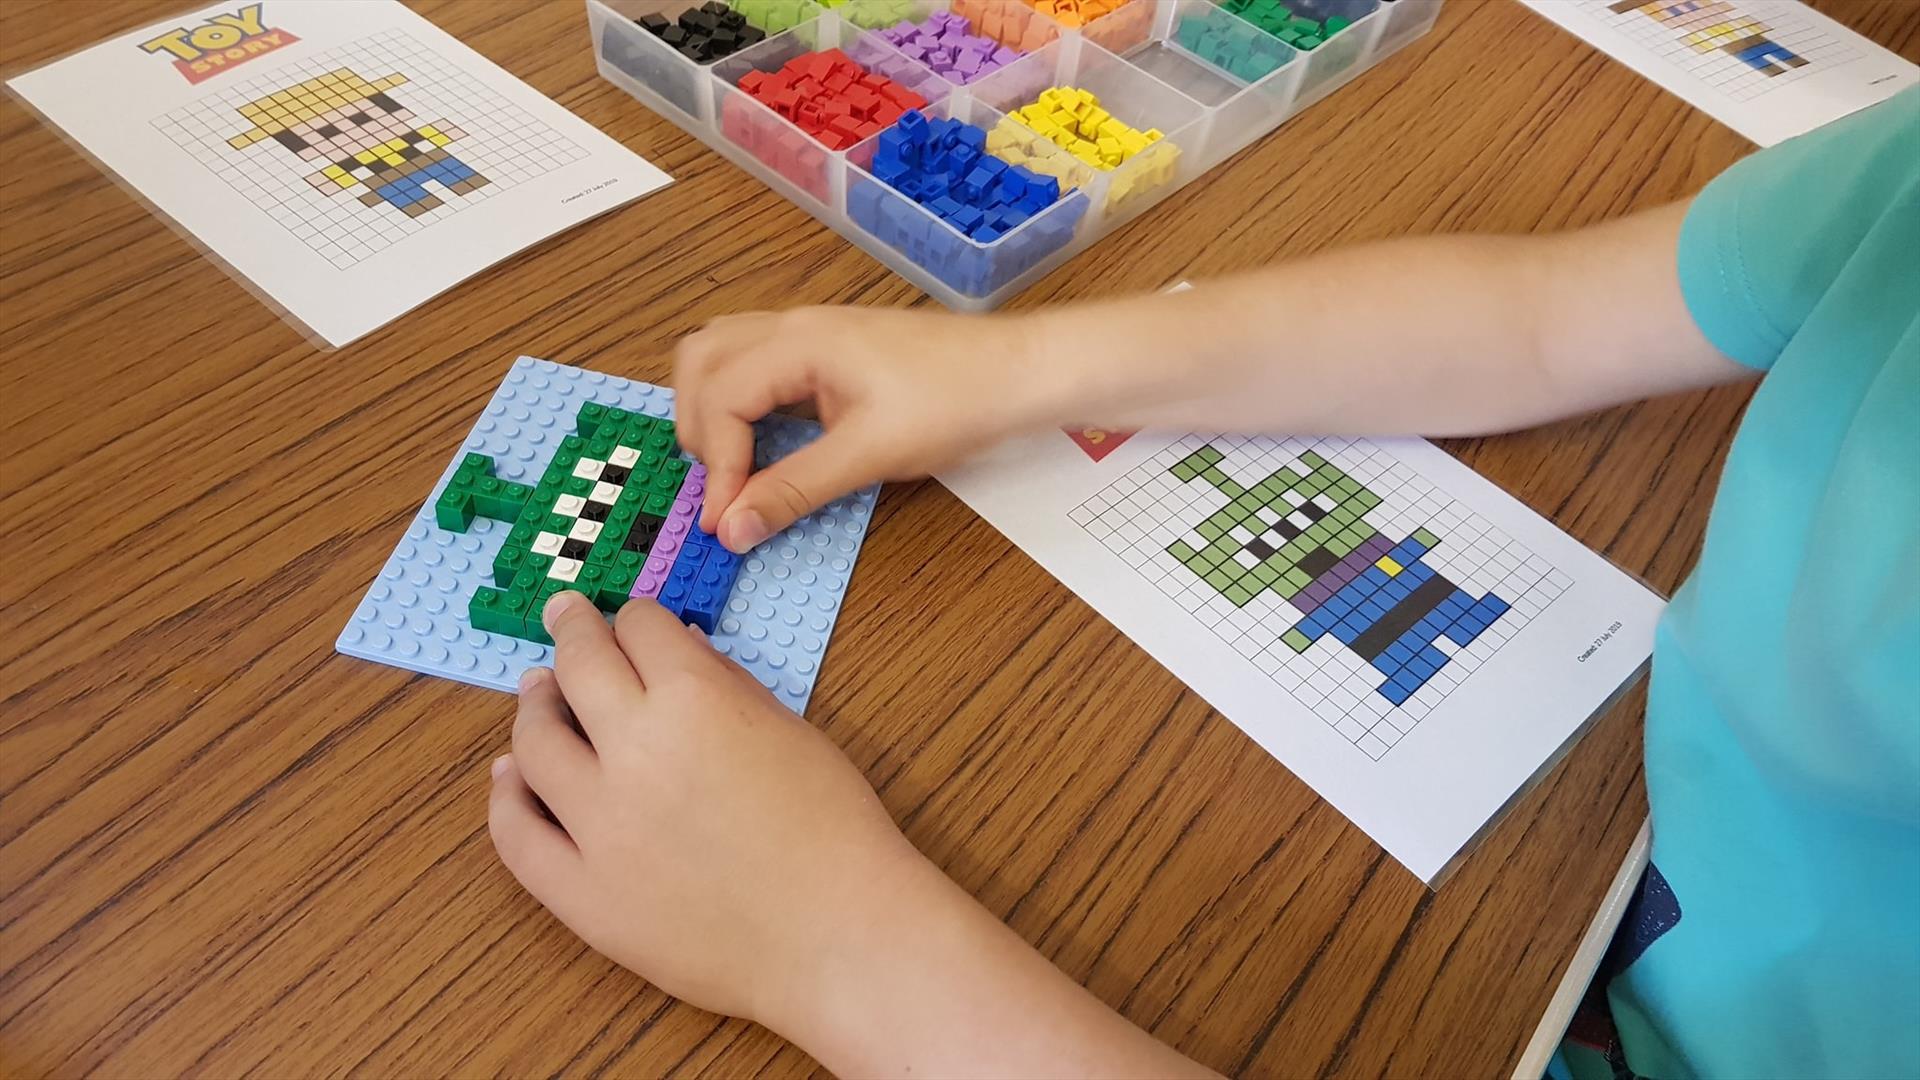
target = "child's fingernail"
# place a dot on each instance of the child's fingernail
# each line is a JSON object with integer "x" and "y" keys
{"x": 744, "y": 529}
{"x": 561, "y": 603}
{"x": 500, "y": 765}
{"x": 531, "y": 678}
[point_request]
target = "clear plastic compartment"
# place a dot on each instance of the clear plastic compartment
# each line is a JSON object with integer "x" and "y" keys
{"x": 1209, "y": 81}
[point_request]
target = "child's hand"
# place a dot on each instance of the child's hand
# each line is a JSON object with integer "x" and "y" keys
{"x": 706, "y": 838}
{"x": 900, "y": 394}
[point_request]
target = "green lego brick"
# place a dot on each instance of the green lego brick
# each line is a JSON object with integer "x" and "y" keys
{"x": 1341, "y": 546}
{"x": 1283, "y": 479}
{"x": 588, "y": 581}
{"x": 501, "y": 500}
{"x": 617, "y": 587}
{"x": 1296, "y": 641}
{"x": 454, "y": 510}
{"x": 1284, "y": 590}
{"x": 1223, "y": 577}
{"x": 1298, "y": 578}
{"x": 1266, "y": 573}
{"x": 1248, "y": 503}
{"x": 1311, "y": 460}
{"x": 1214, "y": 555}
{"x": 1238, "y": 595}
{"x": 1210, "y": 530}
{"x": 1182, "y": 551}
{"x": 607, "y": 548}
{"x": 1365, "y": 501}
{"x": 1426, "y": 538}
{"x": 492, "y": 610}
{"x": 1320, "y": 531}
{"x": 507, "y": 564}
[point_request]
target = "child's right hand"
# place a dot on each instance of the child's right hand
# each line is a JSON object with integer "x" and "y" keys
{"x": 900, "y": 393}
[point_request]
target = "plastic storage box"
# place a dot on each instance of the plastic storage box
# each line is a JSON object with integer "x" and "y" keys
{"x": 1205, "y": 80}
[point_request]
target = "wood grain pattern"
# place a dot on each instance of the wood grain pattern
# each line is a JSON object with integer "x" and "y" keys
{"x": 225, "y": 850}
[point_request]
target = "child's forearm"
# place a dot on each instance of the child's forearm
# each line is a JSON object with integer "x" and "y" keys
{"x": 1432, "y": 336}
{"x": 928, "y": 983}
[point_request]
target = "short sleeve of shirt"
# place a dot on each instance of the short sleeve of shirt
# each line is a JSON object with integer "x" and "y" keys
{"x": 1764, "y": 241}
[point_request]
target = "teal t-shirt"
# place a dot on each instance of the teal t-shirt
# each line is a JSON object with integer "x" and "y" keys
{"x": 1779, "y": 935}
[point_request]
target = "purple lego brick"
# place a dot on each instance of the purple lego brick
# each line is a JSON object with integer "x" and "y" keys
{"x": 673, "y": 535}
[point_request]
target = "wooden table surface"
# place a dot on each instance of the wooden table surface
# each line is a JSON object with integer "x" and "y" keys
{"x": 226, "y": 850}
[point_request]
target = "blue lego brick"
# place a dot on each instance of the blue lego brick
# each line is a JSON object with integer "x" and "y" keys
{"x": 1374, "y": 609}
{"x": 1350, "y": 628}
{"x": 1419, "y": 573}
{"x": 1407, "y": 680}
{"x": 1314, "y": 625}
{"x": 1374, "y": 579}
{"x": 776, "y": 623}
{"x": 1399, "y": 652}
{"x": 1491, "y": 607}
{"x": 1394, "y": 692}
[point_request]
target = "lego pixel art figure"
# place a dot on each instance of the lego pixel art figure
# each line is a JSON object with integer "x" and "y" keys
{"x": 1707, "y": 25}
{"x": 365, "y": 138}
{"x": 613, "y": 517}
{"x": 1302, "y": 533}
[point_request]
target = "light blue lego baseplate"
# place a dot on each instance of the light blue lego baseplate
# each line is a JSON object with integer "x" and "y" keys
{"x": 777, "y": 621}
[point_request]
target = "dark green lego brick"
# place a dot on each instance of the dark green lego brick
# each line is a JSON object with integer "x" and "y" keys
{"x": 605, "y": 548}
{"x": 492, "y": 610}
{"x": 616, "y": 588}
{"x": 507, "y": 564}
{"x": 454, "y": 509}
{"x": 1296, "y": 641}
{"x": 501, "y": 500}
{"x": 588, "y": 581}
{"x": 665, "y": 483}
{"x": 657, "y": 504}
{"x": 588, "y": 419}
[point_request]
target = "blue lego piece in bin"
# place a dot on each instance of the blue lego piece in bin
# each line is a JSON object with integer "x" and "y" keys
{"x": 978, "y": 198}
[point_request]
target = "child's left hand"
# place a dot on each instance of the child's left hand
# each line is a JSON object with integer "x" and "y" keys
{"x": 701, "y": 834}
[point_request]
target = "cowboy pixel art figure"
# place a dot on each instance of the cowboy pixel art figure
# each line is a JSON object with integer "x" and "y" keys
{"x": 1302, "y": 533}
{"x": 366, "y": 139}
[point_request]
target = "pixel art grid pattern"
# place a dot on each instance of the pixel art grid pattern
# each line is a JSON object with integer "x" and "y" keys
{"x": 1725, "y": 43}
{"x": 1146, "y": 516}
{"x": 463, "y": 143}
{"x": 776, "y": 623}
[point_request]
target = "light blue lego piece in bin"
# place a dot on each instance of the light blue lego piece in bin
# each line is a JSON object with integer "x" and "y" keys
{"x": 776, "y": 623}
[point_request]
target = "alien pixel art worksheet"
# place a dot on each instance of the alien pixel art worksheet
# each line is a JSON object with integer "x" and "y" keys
{"x": 1408, "y": 639}
{"x": 347, "y": 159}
